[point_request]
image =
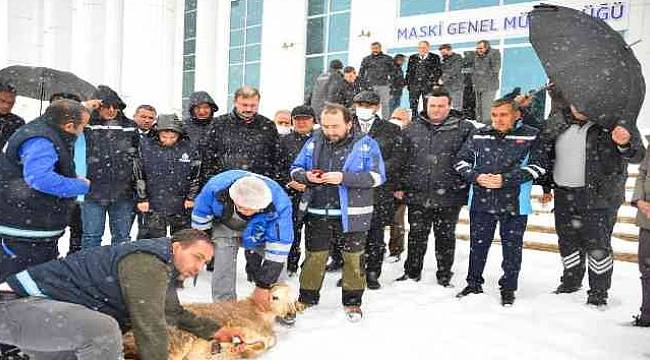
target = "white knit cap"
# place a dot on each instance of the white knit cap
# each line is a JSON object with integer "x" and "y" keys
{"x": 250, "y": 192}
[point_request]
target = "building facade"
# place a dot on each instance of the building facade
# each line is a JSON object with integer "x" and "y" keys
{"x": 159, "y": 51}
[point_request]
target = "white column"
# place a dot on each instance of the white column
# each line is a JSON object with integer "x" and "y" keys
{"x": 57, "y": 34}
{"x": 282, "y": 69}
{"x": 380, "y": 22}
{"x": 4, "y": 33}
{"x": 638, "y": 30}
{"x": 208, "y": 34}
{"x": 113, "y": 43}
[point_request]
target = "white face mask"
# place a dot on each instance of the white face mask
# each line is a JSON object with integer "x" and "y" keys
{"x": 365, "y": 114}
{"x": 283, "y": 130}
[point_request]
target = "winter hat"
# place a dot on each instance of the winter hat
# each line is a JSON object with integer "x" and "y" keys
{"x": 169, "y": 122}
{"x": 336, "y": 64}
{"x": 108, "y": 96}
{"x": 366, "y": 96}
{"x": 303, "y": 111}
{"x": 250, "y": 192}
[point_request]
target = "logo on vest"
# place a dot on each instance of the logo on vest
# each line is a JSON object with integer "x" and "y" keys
{"x": 184, "y": 158}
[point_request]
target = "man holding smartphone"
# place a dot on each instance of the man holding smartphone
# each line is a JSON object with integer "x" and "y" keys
{"x": 340, "y": 167}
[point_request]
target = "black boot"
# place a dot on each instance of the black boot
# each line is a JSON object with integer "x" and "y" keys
{"x": 640, "y": 322}
{"x": 597, "y": 298}
{"x": 566, "y": 289}
{"x": 407, "y": 276}
{"x": 478, "y": 289}
{"x": 507, "y": 297}
{"x": 372, "y": 280}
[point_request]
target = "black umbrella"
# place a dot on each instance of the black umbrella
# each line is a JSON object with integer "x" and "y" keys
{"x": 41, "y": 82}
{"x": 590, "y": 63}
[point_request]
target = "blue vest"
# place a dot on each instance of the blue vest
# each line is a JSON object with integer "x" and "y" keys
{"x": 22, "y": 207}
{"x": 89, "y": 277}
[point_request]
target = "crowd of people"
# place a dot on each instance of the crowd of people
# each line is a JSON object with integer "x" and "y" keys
{"x": 335, "y": 172}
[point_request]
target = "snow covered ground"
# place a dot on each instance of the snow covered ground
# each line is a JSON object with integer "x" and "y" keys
{"x": 409, "y": 320}
{"x": 425, "y": 321}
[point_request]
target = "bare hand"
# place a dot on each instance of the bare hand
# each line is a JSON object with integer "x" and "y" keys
{"x": 314, "y": 177}
{"x": 297, "y": 186}
{"x": 399, "y": 195}
{"x": 621, "y": 136}
{"x": 490, "y": 181}
{"x": 262, "y": 298}
{"x": 523, "y": 100}
{"x": 546, "y": 198}
{"x": 188, "y": 204}
{"x": 84, "y": 180}
{"x": 644, "y": 207}
{"x": 333, "y": 178}
{"x": 143, "y": 207}
{"x": 230, "y": 335}
{"x": 92, "y": 104}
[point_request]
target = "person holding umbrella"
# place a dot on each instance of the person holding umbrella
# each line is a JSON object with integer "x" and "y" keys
{"x": 589, "y": 168}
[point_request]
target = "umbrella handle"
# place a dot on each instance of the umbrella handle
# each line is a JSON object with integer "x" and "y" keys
{"x": 40, "y": 111}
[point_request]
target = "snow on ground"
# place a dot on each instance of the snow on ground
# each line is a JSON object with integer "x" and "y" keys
{"x": 425, "y": 321}
{"x": 409, "y": 320}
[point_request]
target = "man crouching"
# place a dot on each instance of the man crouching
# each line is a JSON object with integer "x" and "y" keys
{"x": 80, "y": 305}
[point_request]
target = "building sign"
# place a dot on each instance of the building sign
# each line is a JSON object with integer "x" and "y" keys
{"x": 494, "y": 22}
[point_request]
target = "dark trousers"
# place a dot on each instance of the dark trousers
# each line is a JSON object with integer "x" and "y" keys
{"x": 18, "y": 254}
{"x": 584, "y": 238}
{"x": 382, "y": 216}
{"x": 294, "y": 254}
{"x": 75, "y": 229}
{"x": 644, "y": 268}
{"x": 395, "y": 100}
{"x": 152, "y": 225}
{"x": 414, "y": 98}
{"x": 320, "y": 232}
{"x": 443, "y": 220}
{"x": 396, "y": 242}
{"x": 511, "y": 229}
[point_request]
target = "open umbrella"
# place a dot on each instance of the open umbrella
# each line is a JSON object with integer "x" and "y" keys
{"x": 41, "y": 82}
{"x": 590, "y": 63}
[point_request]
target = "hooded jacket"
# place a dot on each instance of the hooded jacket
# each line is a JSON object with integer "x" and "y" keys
{"x": 9, "y": 123}
{"x": 197, "y": 129}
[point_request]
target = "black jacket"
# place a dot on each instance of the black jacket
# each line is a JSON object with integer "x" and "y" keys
{"x": 377, "y": 70}
{"x": 343, "y": 92}
{"x": 389, "y": 138}
{"x": 112, "y": 158}
{"x": 290, "y": 146}
{"x": 171, "y": 174}
{"x": 428, "y": 175}
{"x": 398, "y": 82}
{"x": 8, "y": 125}
{"x": 423, "y": 74}
{"x": 452, "y": 77}
{"x": 194, "y": 128}
{"x": 233, "y": 143}
{"x": 606, "y": 168}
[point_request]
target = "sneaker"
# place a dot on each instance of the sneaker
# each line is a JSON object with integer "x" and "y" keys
{"x": 507, "y": 298}
{"x": 640, "y": 322}
{"x": 393, "y": 258}
{"x": 334, "y": 265}
{"x": 372, "y": 281}
{"x": 470, "y": 290}
{"x": 597, "y": 298}
{"x": 353, "y": 313}
{"x": 567, "y": 289}
{"x": 286, "y": 320}
{"x": 407, "y": 276}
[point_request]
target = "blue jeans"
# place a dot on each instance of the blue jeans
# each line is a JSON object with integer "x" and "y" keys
{"x": 93, "y": 216}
